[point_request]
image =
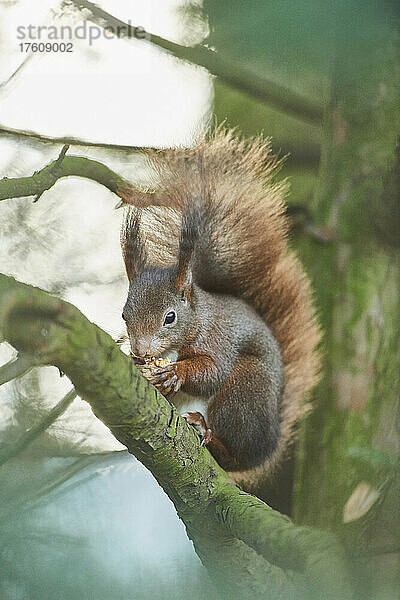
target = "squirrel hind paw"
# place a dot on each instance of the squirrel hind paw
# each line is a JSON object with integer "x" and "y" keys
{"x": 199, "y": 423}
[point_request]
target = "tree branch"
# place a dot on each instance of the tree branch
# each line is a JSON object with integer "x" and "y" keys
{"x": 232, "y": 72}
{"x": 317, "y": 554}
{"x": 71, "y": 166}
{"x": 79, "y": 166}
{"x": 39, "y": 428}
{"x": 301, "y": 155}
{"x": 208, "y": 502}
{"x": 16, "y": 368}
{"x": 71, "y": 141}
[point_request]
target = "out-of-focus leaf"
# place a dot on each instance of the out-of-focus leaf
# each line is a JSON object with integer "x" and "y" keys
{"x": 363, "y": 497}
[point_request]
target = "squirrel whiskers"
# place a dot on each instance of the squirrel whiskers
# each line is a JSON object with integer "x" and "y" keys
{"x": 214, "y": 284}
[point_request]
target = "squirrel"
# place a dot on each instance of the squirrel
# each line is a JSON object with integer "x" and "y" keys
{"x": 214, "y": 286}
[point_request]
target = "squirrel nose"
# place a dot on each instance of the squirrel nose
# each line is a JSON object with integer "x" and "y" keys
{"x": 142, "y": 347}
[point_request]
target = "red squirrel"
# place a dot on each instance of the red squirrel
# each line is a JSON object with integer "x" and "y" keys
{"x": 213, "y": 284}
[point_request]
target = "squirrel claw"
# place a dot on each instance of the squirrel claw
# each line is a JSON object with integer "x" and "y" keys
{"x": 167, "y": 369}
{"x": 207, "y": 438}
{"x": 166, "y": 379}
{"x": 170, "y": 384}
{"x": 199, "y": 423}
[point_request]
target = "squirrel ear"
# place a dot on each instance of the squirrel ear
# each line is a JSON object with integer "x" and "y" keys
{"x": 188, "y": 238}
{"x": 183, "y": 278}
{"x": 186, "y": 288}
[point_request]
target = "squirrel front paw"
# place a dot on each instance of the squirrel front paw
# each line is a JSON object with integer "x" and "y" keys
{"x": 166, "y": 379}
{"x": 199, "y": 423}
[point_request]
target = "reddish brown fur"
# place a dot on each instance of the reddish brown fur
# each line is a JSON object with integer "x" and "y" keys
{"x": 246, "y": 206}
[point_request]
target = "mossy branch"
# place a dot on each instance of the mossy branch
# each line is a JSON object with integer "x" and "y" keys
{"x": 72, "y": 166}
{"x": 242, "y": 542}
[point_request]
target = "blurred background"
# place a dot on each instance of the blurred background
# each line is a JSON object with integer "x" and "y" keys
{"x": 80, "y": 517}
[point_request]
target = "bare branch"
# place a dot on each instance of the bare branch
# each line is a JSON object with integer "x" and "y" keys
{"x": 305, "y": 155}
{"x": 16, "y": 368}
{"x": 18, "y": 70}
{"x": 71, "y": 141}
{"x": 234, "y": 73}
{"x": 39, "y": 428}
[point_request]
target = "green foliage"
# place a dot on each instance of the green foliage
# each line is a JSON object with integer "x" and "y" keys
{"x": 377, "y": 459}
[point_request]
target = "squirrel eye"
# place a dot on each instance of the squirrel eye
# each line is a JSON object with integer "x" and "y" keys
{"x": 169, "y": 318}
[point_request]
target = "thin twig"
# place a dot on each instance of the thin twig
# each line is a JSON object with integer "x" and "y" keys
{"x": 300, "y": 154}
{"x": 70, "y": 166}
{"x": 16, "y": 368}
{"x": 54, "y": 168}
{"x": 18, "y": 70}
{"x": 72, "y": 141}
{"x": 39, "y": 428}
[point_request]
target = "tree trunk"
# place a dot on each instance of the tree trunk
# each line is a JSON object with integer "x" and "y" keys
{"x": 353, "y": 434}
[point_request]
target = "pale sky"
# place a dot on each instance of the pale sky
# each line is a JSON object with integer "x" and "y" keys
{"x": 120, "y": 91}
{"x": 115, "y": 91}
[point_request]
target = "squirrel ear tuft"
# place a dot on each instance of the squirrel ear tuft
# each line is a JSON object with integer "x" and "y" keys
{"x": 133, "y": 248}
{"x": 188, "y": 237}
{"x": 185, "y": 288}
{"x": 183, "y": 277}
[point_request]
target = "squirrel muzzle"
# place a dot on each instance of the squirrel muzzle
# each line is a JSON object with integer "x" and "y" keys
{"x": 146, "y": 347}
